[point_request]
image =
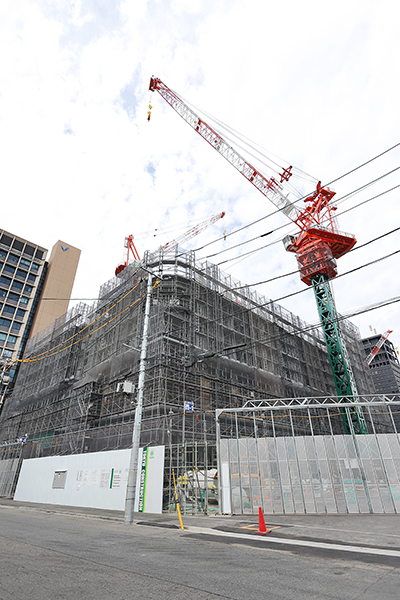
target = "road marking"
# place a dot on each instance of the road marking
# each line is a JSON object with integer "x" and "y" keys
{"x": 291, "y": 542}
{"x": 254, "y": 526}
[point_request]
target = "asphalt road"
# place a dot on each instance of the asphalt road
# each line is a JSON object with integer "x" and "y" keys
{"x": 53, "y": 556}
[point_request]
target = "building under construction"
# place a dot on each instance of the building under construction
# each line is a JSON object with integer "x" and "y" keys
{"x": 213, "y": 343}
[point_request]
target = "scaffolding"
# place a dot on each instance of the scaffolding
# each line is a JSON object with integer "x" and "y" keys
{"x": 213, "y": 343}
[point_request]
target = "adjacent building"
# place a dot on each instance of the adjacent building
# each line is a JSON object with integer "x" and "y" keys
{"x": 33, "y": 291}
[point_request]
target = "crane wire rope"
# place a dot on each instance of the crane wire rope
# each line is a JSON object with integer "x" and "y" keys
{"x": 327, "y": 184}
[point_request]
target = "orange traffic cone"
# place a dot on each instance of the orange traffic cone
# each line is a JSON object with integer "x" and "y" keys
{"x": 262, "y": 530}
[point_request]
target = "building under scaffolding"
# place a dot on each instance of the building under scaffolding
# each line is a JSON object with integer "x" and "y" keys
{"x": 212, "y": 344}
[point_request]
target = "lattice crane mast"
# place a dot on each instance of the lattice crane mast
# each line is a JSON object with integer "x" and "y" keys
{"x": 317, "y": 246}
{"x": 169, "y": 246}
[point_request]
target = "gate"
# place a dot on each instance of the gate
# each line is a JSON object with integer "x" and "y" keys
{"x": 288, "y": 457}
{"x": 194, "y": 466}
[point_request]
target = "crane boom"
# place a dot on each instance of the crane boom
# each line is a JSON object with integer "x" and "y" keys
{"x": 188, "y": 235}
{"x": 270, "y": 188}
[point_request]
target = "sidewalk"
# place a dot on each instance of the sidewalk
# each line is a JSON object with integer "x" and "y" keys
{"x": 377, "y": 531}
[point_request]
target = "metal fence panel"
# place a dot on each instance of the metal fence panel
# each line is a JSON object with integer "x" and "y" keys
{"x": 314, "y": 474}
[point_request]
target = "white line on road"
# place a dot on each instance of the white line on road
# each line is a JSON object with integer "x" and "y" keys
{"x": 292, "y": 542}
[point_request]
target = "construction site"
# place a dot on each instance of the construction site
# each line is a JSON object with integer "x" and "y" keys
{"x": 210, "y": 347}
{"x": 224, "y": 374}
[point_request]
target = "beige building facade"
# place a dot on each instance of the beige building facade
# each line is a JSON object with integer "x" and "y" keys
{"x": 57, "y": 288}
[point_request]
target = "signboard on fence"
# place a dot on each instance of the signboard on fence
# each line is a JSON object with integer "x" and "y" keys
{"x": 150, "y": 478}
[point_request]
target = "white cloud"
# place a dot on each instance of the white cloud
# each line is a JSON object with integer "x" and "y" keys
{"x": 314, "y": 83}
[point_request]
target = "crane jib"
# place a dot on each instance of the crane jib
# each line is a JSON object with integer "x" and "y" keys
{"x": 269, "y": 187}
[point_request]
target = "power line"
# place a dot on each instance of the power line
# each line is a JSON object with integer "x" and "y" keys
{"x": 242, "y": 256}
{"x": 288, "y": 224}
{"x": 317, "y": 326}
{"x": 306, "y": 195}
{"x": 294, "y": 272}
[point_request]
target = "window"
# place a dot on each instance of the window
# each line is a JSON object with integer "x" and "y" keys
{"x": 24, "y": 300}
{"x": 18, "y": 245}
{"x": 5, "y": 322}
{"x": 25, "y": 262}
{"x": 16, "y": 326}
{"x": 20, "y": 313}
{"x": 5, "y": 281}
{"x": 28, "y": 289}
{"x": 17, "y": 284}
{"x": 12, "y": 339}
{"x": 13, "y": 258}
{"x": 9, "y": 269}
{"x": 3, "y": 294}
{"x": 9, "y": 309}
{"x": 31, "y": 278}
{"x": 29, "y": 250}
{"x": 3, "y": 253}
{"x": 35, "y": 267}
{"x": 21, "y": 274}
{"x": 3, "y": 337}
{"x": 13, "y": 296}
{"x": 39, "y": 254}
{"x": 6, "y": 240}
{"x": 7, "y": 354}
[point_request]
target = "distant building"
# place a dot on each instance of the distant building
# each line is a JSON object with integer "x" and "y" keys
{"x": 26, "y": 280}
{"x": 385, "y": 366}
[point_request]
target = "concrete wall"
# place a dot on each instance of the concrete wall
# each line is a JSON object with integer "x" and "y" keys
{"x": 96, "y": 480}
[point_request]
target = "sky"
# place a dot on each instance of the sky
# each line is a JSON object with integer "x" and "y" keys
{"x": 312, "y": 82}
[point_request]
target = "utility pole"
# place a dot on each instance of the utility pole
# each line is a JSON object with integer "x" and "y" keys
{"x": 4, "y": 381}
{"x": 133, "y": 466}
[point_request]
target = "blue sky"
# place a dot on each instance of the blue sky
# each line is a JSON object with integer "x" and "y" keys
{"x": 312, "y": 82}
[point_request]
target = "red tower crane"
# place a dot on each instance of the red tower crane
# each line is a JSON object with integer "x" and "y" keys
{"x": 169, "y": 246}
{"x": 130, "y": 247}
{"x": 378, "y": 346}
{"x": 317, "y": 245}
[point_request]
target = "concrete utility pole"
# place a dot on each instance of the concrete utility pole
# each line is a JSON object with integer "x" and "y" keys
{"x": 133, "y": 466}
{"x": 4, "y": 381}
